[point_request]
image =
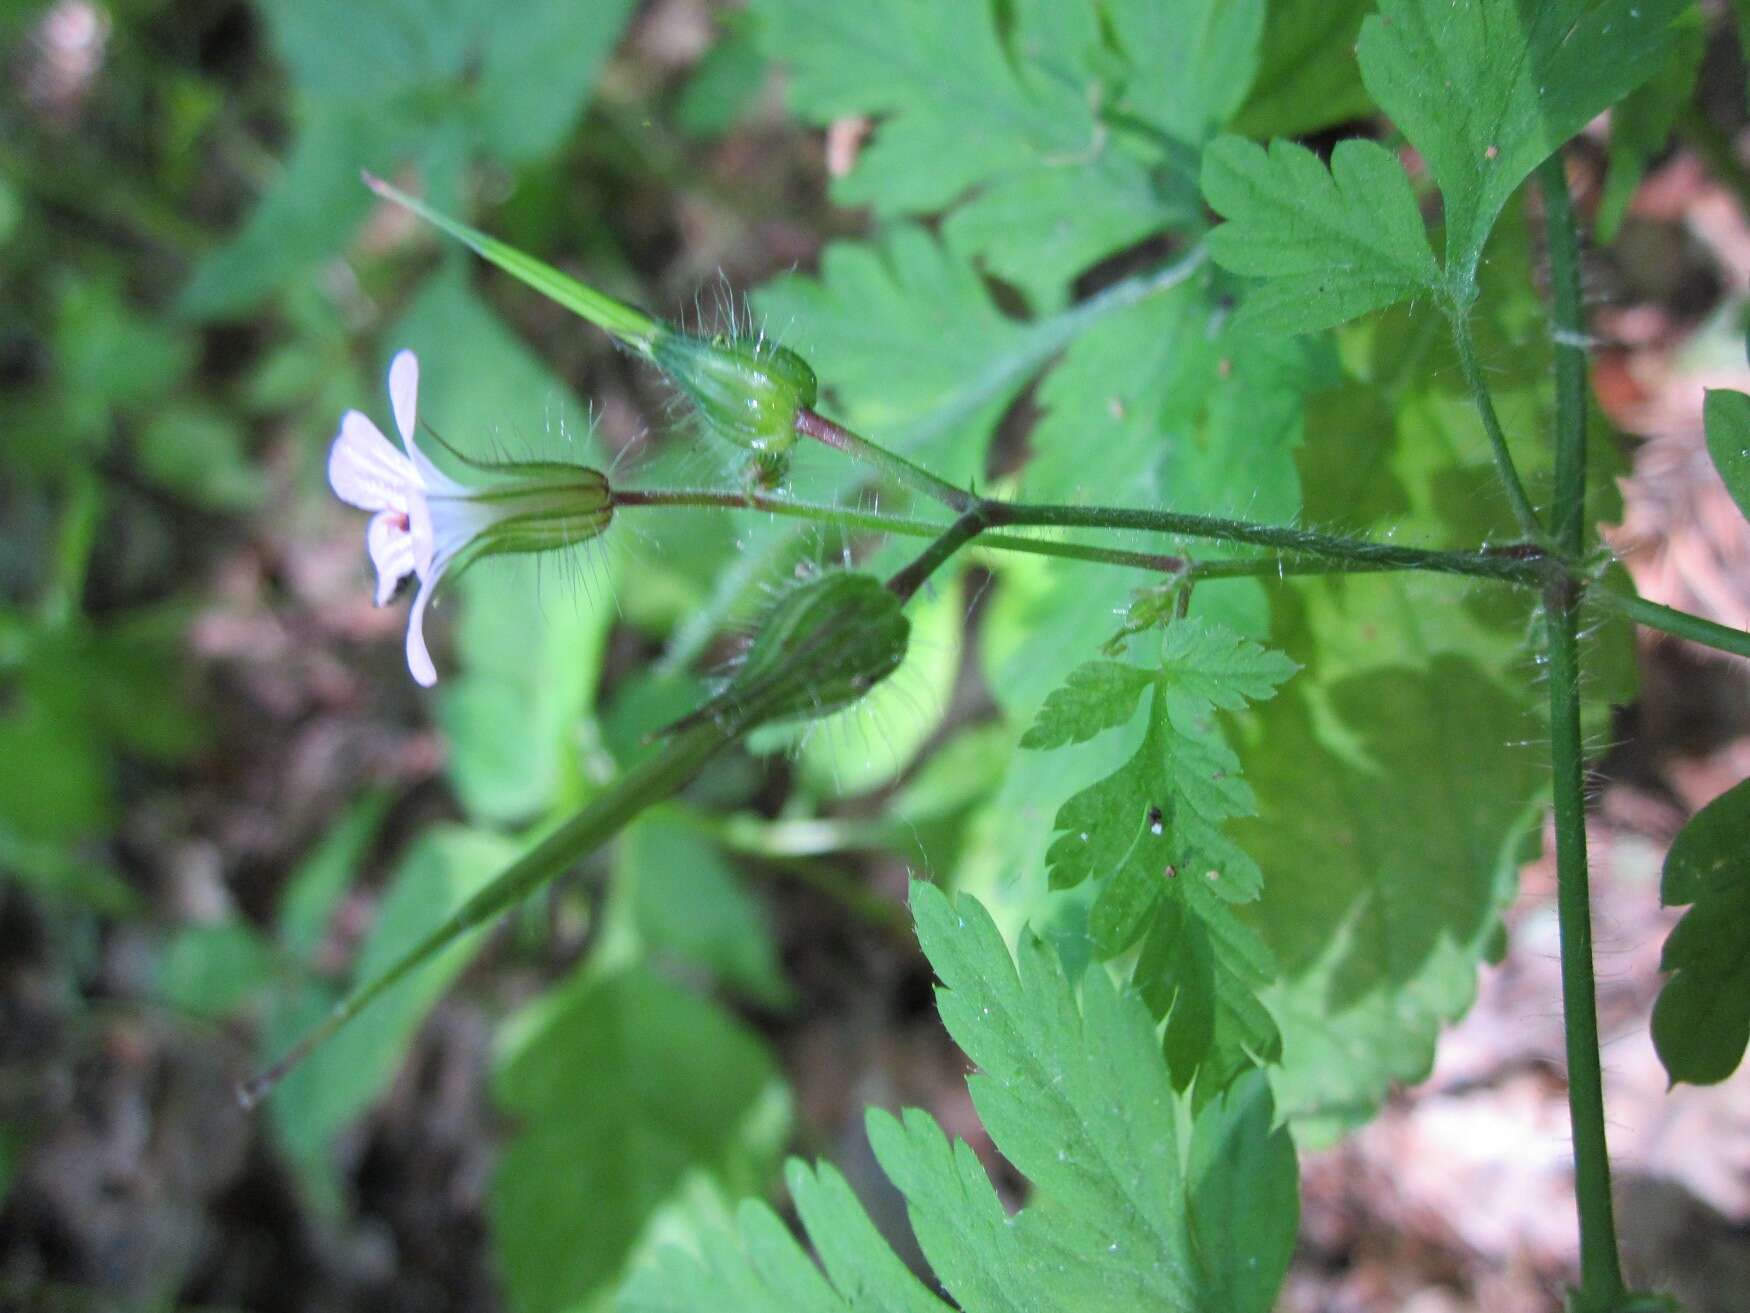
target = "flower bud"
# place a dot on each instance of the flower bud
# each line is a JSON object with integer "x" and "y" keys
{"x": 824, "y": 645}
{"x": 750, "y": 392}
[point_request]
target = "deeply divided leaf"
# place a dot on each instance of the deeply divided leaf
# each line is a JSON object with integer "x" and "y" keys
{"x": 1486, "y": 90}
{"x": 1330, "y": 244}
{"x": 1075, "y": 1094}
{"x": 1150, "y": 838}
{"x": 1054, "y": 139}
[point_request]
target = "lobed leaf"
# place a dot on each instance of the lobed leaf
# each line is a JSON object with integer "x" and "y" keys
{"x": 1331, "y": 244}
{"x": 1150, "y": 837}
{"x": 1486, "y": 90}
{"x": 1078, "y": 1099}
{"x": 1397, "y": 780}
{"x": 1050, "y": 147}
{"x": 1096, "y": 696}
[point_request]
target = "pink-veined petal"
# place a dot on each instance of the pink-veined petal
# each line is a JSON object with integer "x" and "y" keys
{"x": 391, "y": 547}
{"x": 364, "y": 469}
{"x": 418, "y": 658}
{"x": 404, "y": 393}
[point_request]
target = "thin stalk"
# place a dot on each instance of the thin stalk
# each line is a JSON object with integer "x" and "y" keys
{"x": 1601, "y": 1285}
{"x": 910, "y": 578}
{"x": 1485, "y": 404}
{"x": 655, "y": 778}
{"x": 1564, "y": 268}
{"x": 1300, "y": 552}
{"x": 1672, "y": 621}
{"x": 890, "y": 463}
{"x": 1525, "y": 563}
{"x": 1521, "y": 564}
{"x": 875, "y": 522}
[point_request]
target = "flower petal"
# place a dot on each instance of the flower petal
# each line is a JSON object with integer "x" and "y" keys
{"x": 418, "y": 658}
{"x": 364, "y": 469}
{"x": 404, "y": 393}
{"x": 391, "y": 547}
{"x": 420, "y": 535}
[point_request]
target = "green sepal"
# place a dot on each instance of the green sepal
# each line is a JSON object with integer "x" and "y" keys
{"x": 748, "y": 392}
{"x": 824, "y": 645}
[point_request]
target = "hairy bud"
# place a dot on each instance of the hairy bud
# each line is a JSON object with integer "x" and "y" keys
{"x": 750, "y": 392}
{"x": 824, "y": 645}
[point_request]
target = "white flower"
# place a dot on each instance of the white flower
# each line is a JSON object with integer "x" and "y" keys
{"x": 425, "y": 521}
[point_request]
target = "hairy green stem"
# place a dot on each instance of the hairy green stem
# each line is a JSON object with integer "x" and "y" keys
{"x": 891, "y": 463}
{"x": 1523, "y": 564}
{"x": 908, "y": 580}
{"x": 1485, "y": 404}
{"x": 1301, "y": 553}
{"x": 655, "y": 778}
{"x": 1568, "y": 512}
{"x": 1672, "y": 621}
{"x": 876, "y": 522}
{"x": 1601, "y": 1285}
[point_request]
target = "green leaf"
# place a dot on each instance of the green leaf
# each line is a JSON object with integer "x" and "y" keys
{"x": 1701, "y": 1022}
{"x": 630, "y": 1094}
{"x": 536, "y": 74}
{"x": 1150, "y": 837}
{"x": 1727, "y": 416}
{"x": 1159, "y": 405}
{"x": 1487, "y": 90}
{"x": 1395, "y": 791}
{"x": 1641, "y": 125}
{"x": 1077, "y": 1098}
{"x": 1308, "y": 78}
{"x": 1097, "y": 696}
{"x": 443, "y": 867}
{"x": 1193, "y": 61}
{"x": 1330, "y": 244}
{"x": 997, "y": 111}
{"x": 687, "y": 901}
{"x": 209, "y": 970}
{"x": 314, "y": 200}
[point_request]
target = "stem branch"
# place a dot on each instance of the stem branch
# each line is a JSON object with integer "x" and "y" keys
{"x": 1485, "y": 404}
{"x": 1672, "y": 621}
{"x": 1564, "y": 269}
